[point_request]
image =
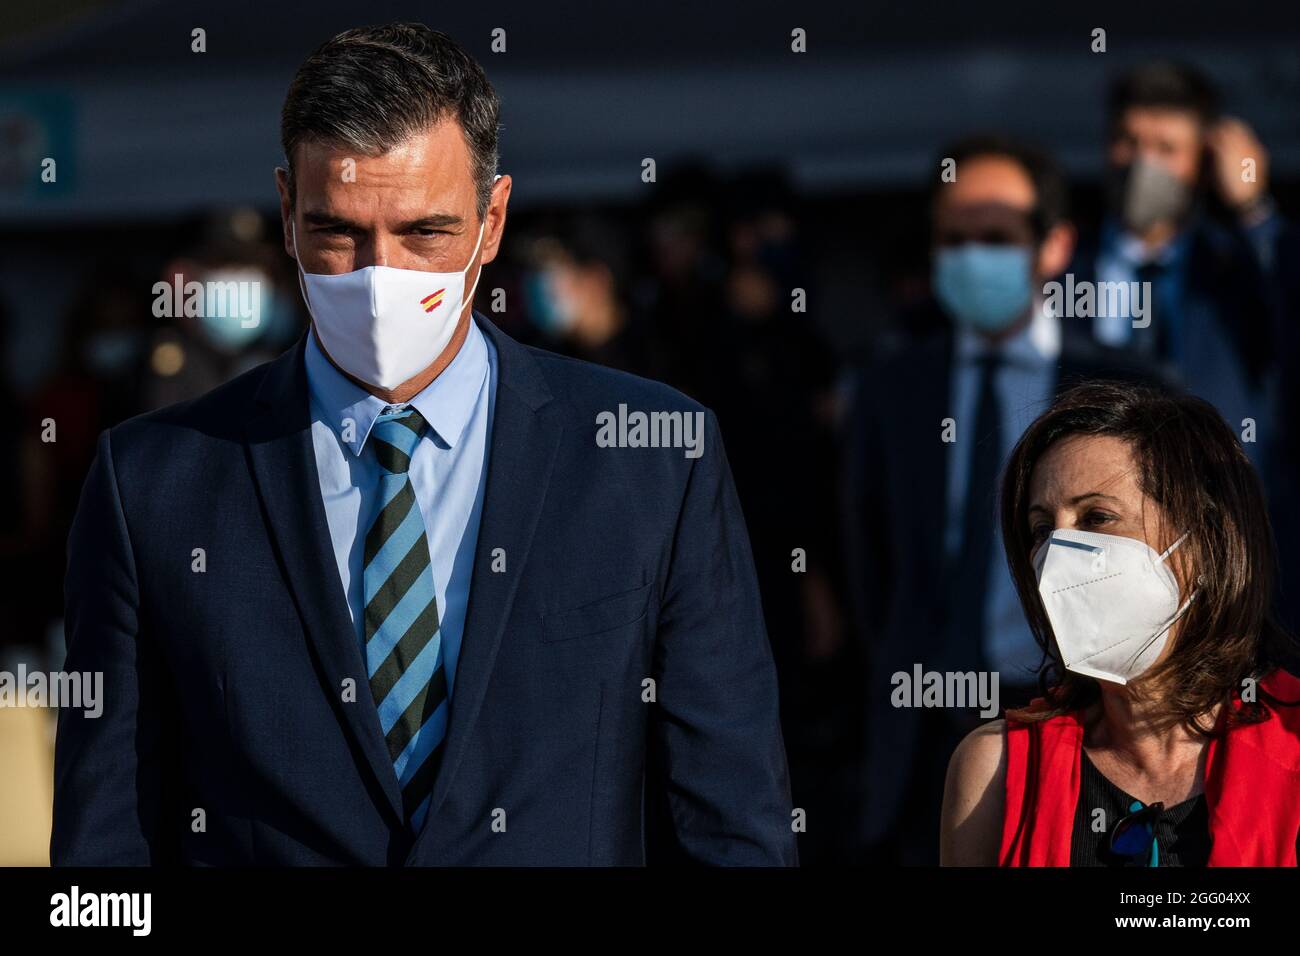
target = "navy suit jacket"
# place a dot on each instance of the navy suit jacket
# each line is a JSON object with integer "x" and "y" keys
{"x": 1231, "y": 329}
{"x": 228, "y": 735}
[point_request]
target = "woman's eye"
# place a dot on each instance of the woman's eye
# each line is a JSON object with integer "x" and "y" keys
{"x": 1097, "y": 518}
{"x": 1039, "y": 532}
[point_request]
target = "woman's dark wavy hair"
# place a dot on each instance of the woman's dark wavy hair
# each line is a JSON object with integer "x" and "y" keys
{"x": 1193, "y": 466}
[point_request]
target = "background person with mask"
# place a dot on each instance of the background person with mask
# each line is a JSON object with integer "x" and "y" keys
{"x": 919, "y": 503}
{"x": 1187, "y": 219}
{"x": 1168, "y": 733}
{"x": 575, "y": 293}
{"x": 246, "y": 315}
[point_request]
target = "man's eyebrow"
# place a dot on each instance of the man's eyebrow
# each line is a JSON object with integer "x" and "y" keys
{"x": 317, "y": 218}
{"x": 432, "y": 221}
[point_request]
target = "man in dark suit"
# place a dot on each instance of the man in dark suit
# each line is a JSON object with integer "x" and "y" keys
{"x": 1190, "y": 218}
{"x": 933, "y": 419}
{"x": 413, "y": 593}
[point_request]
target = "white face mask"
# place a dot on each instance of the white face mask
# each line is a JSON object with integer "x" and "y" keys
{"x": 1110, "y": 600}
{"x": 383, "y": 325}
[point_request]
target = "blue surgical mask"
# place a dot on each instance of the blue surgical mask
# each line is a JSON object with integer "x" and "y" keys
{"x": 234, "y": 313}
{"x": 984, "y": 287}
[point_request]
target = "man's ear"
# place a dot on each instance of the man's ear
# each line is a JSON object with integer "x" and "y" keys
{"x": 496, "y": 218}
{"x": 286, "y": 209}
{"x": 1056, "y": 250}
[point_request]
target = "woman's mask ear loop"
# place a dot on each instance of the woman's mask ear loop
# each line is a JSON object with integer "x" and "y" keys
{"x": 1170, "y": 550}
{"x": 1200, "y": 582}
{"x": 1200, "y": 578}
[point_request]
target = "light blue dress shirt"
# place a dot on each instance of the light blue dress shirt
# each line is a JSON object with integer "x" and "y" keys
{"x": 448, "y": 474}
{"x": 1118, "y": 258}
{"x": 1025, "y": 381}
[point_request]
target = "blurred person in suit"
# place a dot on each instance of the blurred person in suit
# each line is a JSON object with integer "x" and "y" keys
{"x": 932, "y": 422}
{"x": 390, "y": 599}
{"x": 1189, "y": 213}
{"x": 774, "y": 390}
{"x": 683, "y": 295}
{"x": 245, "y": 315}
{"x": 1284, "y": 508}
{"x": 20, "y": 433}
{"x": 96, "y": 384}
{"x": 575, "y": 287}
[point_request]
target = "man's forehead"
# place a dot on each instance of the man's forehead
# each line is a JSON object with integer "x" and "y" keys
{"x": 990, "y": 179}
{"x": 1166, "y": 120}
{"x": 437, "y": 156}
{"x": 413, "y": 181}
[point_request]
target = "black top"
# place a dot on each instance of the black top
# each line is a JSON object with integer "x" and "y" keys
{"x": 1182, "y": 831}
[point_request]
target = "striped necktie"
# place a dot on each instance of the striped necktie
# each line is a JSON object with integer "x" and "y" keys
{"x": 403, "y": 646}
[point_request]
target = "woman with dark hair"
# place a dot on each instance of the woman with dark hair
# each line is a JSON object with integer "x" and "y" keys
{"x": 1167, "y": 734}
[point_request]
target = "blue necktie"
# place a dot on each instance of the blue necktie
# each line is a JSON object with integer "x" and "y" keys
{"x": 403, "y": 646}
{"x": 969, "y": 589}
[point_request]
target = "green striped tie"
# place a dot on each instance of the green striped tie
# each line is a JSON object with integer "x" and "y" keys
{"x": 403, "y": 646}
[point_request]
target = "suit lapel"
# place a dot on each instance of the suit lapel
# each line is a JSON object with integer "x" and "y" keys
{"x": 525, "y": 436}
{"x": 283, "y": 462}
{"x": 933, "y": 406}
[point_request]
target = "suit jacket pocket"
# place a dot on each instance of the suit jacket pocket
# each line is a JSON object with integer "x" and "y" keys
{"x": 597, "y": 617}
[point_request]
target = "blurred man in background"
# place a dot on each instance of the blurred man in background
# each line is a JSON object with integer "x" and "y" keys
{"x": 773, "y": 389}
{"x": 96, "y": 384}
{"x": 576, "y": 291}
{"x": 190, "y": 354}
{"x": 1189, "y": 213}
{"x": 934, "y": 419}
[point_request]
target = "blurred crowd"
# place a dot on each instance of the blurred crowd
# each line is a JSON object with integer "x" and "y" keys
{"x": 831, "y": 374}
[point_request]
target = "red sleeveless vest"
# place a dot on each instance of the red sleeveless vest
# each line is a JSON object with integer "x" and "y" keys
{"x": 1252, "y": 787}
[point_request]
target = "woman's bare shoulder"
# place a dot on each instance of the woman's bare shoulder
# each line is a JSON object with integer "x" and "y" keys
{"x": 984, "y": 747}
{"x": 973, "y": 800}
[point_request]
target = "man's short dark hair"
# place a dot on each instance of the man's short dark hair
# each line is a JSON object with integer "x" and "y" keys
{"x": 1051, "y": 197}
{"x": 372, "y": 88}
{"x": 1166, "y": 85}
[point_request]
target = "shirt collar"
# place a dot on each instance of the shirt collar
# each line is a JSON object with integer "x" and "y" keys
{"x": 1131, "y": 250}
{"x": 446, "y": 403}
{"x": 1037, "y": 343}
